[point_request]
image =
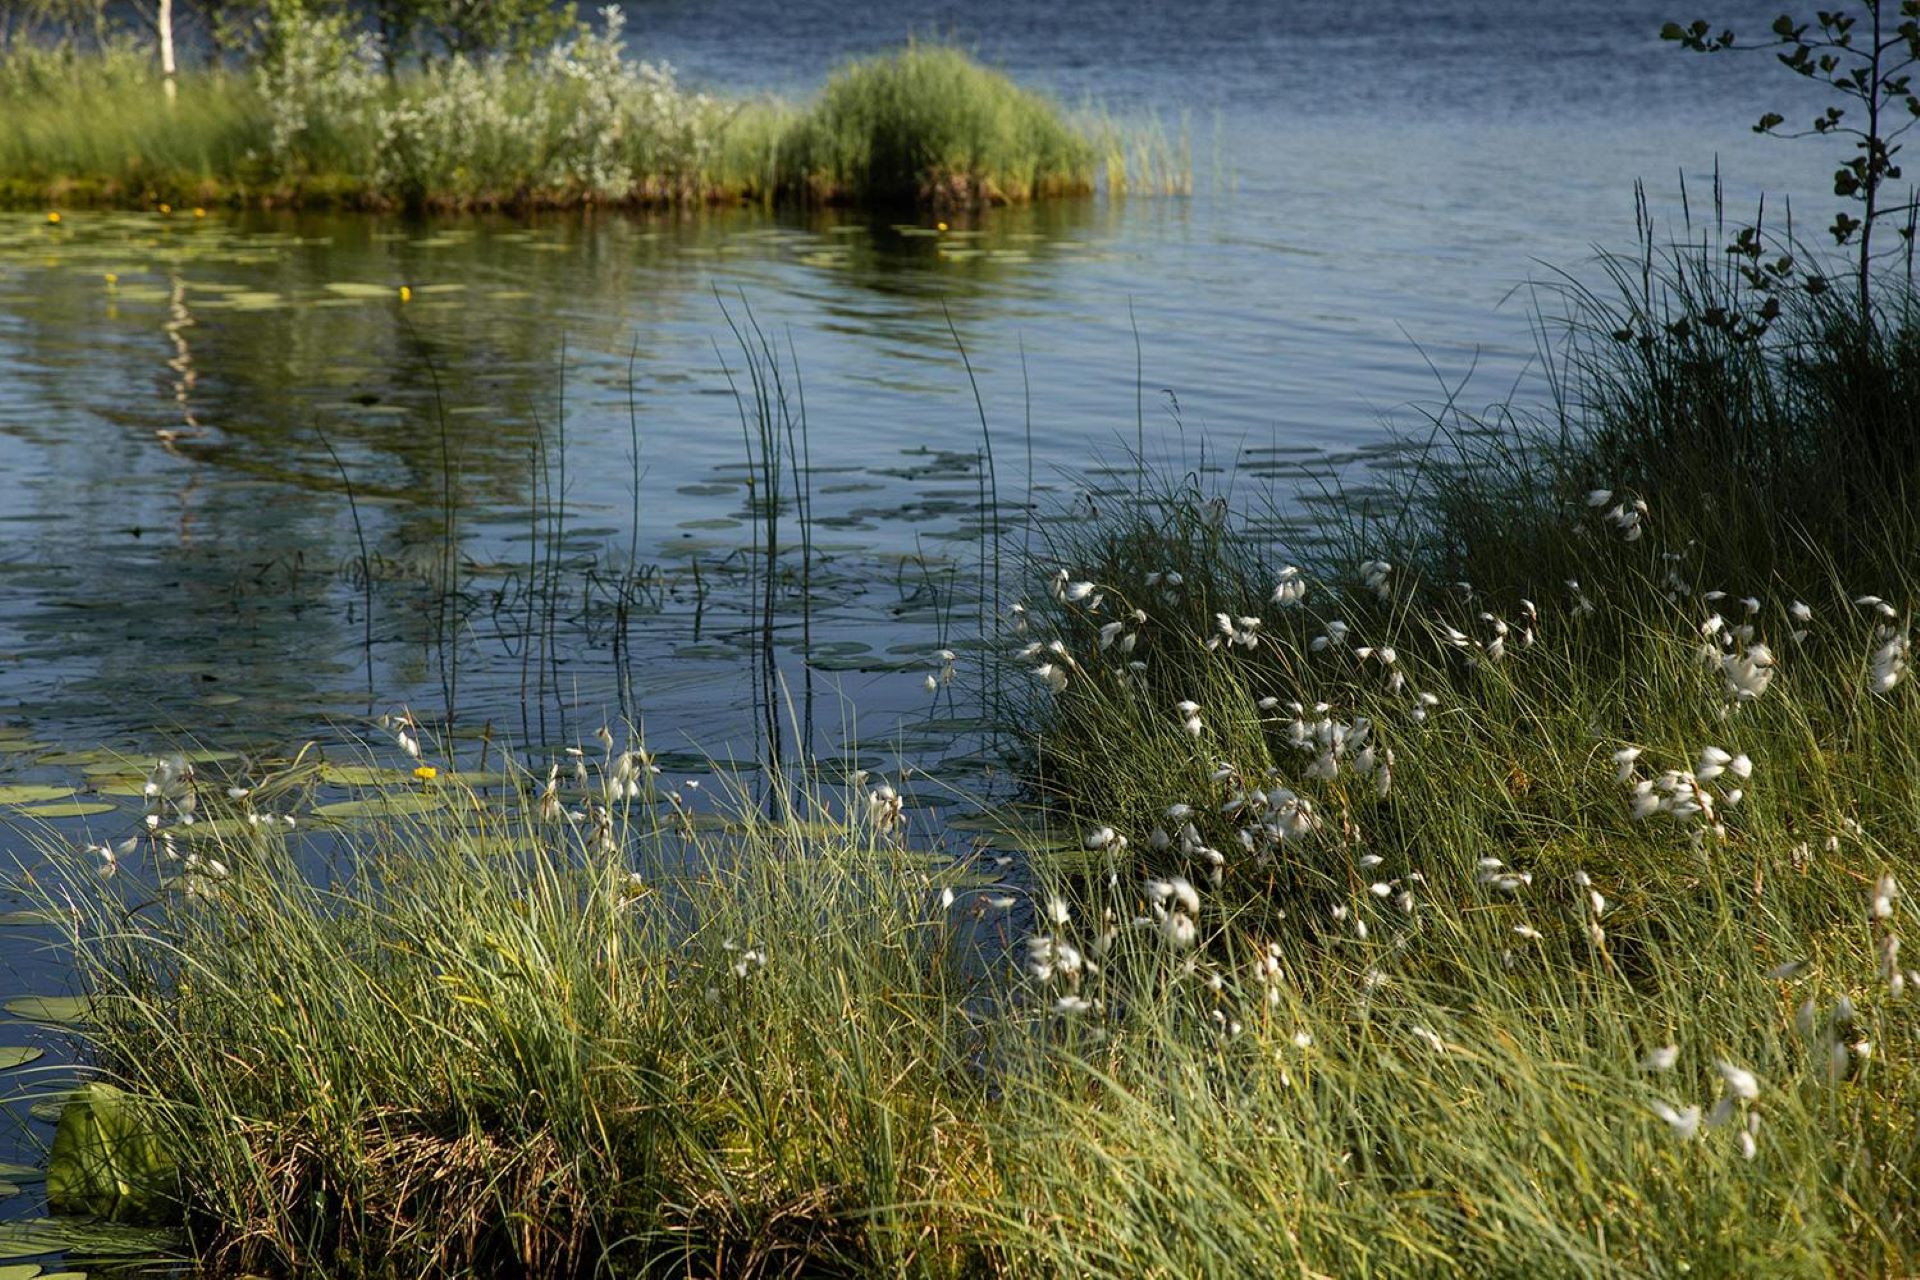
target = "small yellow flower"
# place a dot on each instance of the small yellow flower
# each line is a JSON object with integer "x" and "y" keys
{"x": 166, "y": 208}
{"x": 54, "y": 216}
{"x": 939, "y": 226}
{"x": 199, "y": 212}
{"x": 426, "y": 773}
{"x": 406, "y": 294}
{"x": 113, "y": 279}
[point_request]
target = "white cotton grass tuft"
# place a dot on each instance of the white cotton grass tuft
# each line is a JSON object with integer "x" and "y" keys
{"x": 1885, "y": 890}
{"x": 1176, "y": 890}
{"x": 1376, "y": 575}
{"x": 1741, "y": 1083}
{"x": 1684, "y": 1121}
{"x": 1291, "y": 589}
{"x": 1890, "y": 662}
{"x": 1748, "y": 674}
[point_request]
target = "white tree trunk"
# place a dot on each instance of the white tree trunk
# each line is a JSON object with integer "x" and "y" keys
{"x": 167, "y": 69}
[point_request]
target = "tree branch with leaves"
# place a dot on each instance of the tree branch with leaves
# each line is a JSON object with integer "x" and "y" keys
{"x": 1866, "y": 55}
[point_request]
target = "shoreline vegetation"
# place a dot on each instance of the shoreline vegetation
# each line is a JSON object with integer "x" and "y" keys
{"x": 1507, "y": 875}
{"x": 1515, "y": 885}
{"x": 315, "y": 121}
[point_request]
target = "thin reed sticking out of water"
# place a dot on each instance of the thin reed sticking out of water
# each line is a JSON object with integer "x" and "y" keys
{"x": 366, "y": 563}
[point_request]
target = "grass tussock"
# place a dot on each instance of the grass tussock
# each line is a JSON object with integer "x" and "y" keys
{"x": 317, "y": 121}
{"x": 929, "y": 125}
{"x": 520, "y": 1055}
{"x": 1734, "y": 400}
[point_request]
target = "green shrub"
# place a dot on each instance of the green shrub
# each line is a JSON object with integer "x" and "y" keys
{"x": 930, "y": 125}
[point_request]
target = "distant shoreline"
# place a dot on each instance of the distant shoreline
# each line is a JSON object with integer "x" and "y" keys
{"x": 923, "y": 127}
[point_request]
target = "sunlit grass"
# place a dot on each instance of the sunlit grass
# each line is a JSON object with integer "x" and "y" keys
{"x": 506, "y": 1037}
{"x": 1369, "y": 919}
{"x": 930, "y": 125}
{"x": 95, "y": 129}
{"x": 925, "y": 125}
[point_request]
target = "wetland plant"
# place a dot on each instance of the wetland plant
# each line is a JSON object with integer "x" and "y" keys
{"x": 318, "y": 120}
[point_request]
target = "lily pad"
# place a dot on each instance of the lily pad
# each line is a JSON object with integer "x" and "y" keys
{"x": 25, "y": 918}
{"x": 115, "y": 766}
{"x": 82, "y": 757}
{"x": 18, "y": 1055}
{"x": 33, "y": 1236}
{"x": 209, "y": 755}
{"x": 356, "y": 289}
{"x": 363, "y": 775}
{"x": 50, "y": 1008}
{"x": 68, "y": 809}
{"x": 32, "y": 792}
{"x": 398, "y": 804}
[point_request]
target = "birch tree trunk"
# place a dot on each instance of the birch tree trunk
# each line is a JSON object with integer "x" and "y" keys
{"x": 167, "y": 69}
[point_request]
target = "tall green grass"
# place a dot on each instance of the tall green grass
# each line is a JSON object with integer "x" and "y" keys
{"x": 930, "y": 125}
{"x": 480, "y": 1043}
{"x": 489, "y": 1043}
{"x": 1370, "y": 921}
{"x": 94, "y": 128}
{"x": 922, "y": 126}
{"x": 1735, "y": 391}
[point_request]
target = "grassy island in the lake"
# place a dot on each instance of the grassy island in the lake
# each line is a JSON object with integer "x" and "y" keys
{"x": 316, "y": 122}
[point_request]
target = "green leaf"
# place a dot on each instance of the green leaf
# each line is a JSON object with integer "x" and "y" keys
{"x": 32, "y": 1236}
{"x": 18, "y": 1055}
{"x": 109, "y": 1159}
{"x": 391, "y": 805}
{"x": 50, "y": 1008}
{"x": 68, "y": 809}
{"x": 355, "y": 289}
{"x": 32, "y": 792}
{"x": 363, "y": 775}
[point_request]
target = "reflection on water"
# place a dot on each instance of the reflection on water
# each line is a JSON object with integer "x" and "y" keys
{"x": 243, "y": 432}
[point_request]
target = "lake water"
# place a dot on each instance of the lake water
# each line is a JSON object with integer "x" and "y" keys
{"x": 1371, "y": 183}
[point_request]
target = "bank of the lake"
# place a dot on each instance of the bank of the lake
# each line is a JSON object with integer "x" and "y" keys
{"x": 1356, "y": 916}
